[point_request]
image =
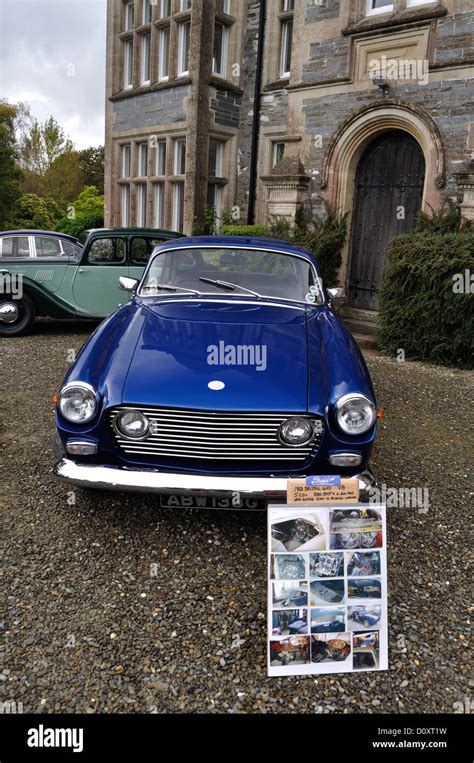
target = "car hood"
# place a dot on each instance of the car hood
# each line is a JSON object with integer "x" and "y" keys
{"x": 257, "y": 350}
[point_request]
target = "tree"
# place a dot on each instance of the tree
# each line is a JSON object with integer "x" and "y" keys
{"x": 91, "y": 162}
{"x": 40, "y": 143}
{"x": 63, "y": 181}
{"x": 10, "y": 173}
{"x": 31, "y": 211}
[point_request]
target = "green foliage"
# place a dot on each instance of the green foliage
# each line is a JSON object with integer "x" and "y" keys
{"x": 207, "y": 224}
{"x": 87, "y": 211}
{"x": 31, "y": 211}
{"x": 62, "y": 180}
{"x": 447, "y": 219}
{"x": 10, "y": 173}
{"x": 321, "y": 234}
{"x": 91, "y": 164}
{"x": 422, "y": 312}
{"x": 244, "y": 230}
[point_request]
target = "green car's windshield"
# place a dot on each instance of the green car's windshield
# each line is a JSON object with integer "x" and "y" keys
{"x": 232, "y": 272}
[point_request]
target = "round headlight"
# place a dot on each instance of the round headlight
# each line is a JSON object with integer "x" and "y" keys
{"x": 132, "y": 424}
{"x": 78, "y": 402}
{"x": 355, "y": 414}
{"x": 296, "y": 431}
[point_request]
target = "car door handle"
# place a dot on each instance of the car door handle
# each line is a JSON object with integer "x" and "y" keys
{"x": 83, "y": 270}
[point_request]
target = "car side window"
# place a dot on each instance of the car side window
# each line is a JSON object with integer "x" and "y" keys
{"x": 47, "y": 247}
{"x": 107, "y": 251}
{"x": 141, "y": 249}
{"x": 16, "y": 246}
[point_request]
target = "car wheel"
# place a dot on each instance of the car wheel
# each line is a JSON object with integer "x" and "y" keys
{"x": 366, "y": 623}
{"x": 16, "y": 315}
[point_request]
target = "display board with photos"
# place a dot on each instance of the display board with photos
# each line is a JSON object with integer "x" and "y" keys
{"x": 327, "y": 589}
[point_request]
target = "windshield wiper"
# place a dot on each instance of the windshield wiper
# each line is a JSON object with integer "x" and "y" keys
{"x": 166, "y": 287}
{"x": 230, "y": 286}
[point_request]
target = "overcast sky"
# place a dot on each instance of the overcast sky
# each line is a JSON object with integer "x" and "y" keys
{"x": 52, "y": 54}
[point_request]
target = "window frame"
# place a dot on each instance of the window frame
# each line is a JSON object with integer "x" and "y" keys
{"x": 222, "y": 71}
{"x": 125, "y": 192}
{"x": 162, "y": 33}
{"x": 141, "y": 204}
{"x": 182, "y": 41}
{"x": 388, "y": 8}
{"x": 143, "y": 157}
{"x": 286, "y": 44}
{"x": 127, "y": 81}
{"x": 126, "y": 148}
{"x": 159, "y": 218}
{"x": 129, "y": 18}
{"x": 177, "y": 195}
{"x": 145, "y": 46}
{"x": 179, "y": 141}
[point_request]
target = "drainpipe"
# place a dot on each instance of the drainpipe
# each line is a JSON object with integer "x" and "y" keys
{"x": 256, "y": 115}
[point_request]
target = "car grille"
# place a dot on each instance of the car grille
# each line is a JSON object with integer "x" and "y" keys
{"x": 225, "y": 436}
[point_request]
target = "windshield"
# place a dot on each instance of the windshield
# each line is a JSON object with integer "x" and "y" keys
{"x": 232, "y": 271}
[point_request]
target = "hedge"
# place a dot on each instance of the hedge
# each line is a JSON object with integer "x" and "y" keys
{"x": 244, "y": 230}
{"x": 422, "y": 309}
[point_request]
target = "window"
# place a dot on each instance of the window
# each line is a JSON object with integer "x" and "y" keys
{"x": 141, "y": 248}
{"x": 287, "y": 5}
{"x": 286, "y": 42}
{"x": 178, "y": 206}
{"x": 378, "y": 6}
{"x": 127, "y": 64}
{"x": 278, "y": 152}
{"x": 164, "y": 55}
{"x": 223, "y": 6}
{"x": 141, "y": 205}
{"x": 411, "y": 3}
{"x": 160, "y": 168}
{"x": 125, "y": 206}
{"x": 129, "y": 16}
{"x": 184, "y": 5}
{"x": 126, "y": 161}
{"x": 107, "y": 251}
{"x": 179, "y": 156}
{"x": 183, "y": 48}
{"x": 165, "y": 9}
{"x": 146, "y": 11}
{"x": 216, "y": 158}
{"x": 159, "y": 210}
{"x": 15, "y": 246}
{"x": 47, "y": 247}
{"x": 143, "y": 160}
{"x": 214, "y": 200}
{"x": 219, "y": 60}
{"x": 145, "y": 60}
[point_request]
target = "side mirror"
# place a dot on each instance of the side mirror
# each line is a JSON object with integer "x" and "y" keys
{"x": 127, "y": 284}
{"x": 338, "y": 293}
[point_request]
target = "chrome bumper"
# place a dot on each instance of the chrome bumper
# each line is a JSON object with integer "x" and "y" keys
{"x": 153, "y": 481}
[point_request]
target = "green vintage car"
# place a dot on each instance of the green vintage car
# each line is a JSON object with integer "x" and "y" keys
{"x": 51, "y": 274}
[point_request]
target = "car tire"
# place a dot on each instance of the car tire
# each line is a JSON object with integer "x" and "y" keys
{"x": 366, "y": 624}
{"x": 27, "y": 314}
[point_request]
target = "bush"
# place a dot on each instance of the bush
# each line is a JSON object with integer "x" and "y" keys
{"x": 421, "y": 310}
{"x": 244, "y": 230}
{"x": 87, "y": 211}
{"x": 32, "y": 211}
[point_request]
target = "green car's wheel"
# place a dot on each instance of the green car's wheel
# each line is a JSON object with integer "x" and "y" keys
{"x": 16, "y": 315}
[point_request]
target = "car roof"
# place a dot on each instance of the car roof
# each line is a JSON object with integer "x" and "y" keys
{"x": 260, "y": 242}
{"x": 134, "y": 231}
{"x": 35, "y": 232}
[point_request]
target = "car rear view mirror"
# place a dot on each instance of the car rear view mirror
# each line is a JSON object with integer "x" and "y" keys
{"x": 128, "y": 284}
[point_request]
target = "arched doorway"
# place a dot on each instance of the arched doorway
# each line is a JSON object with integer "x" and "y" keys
{"x": 387, "y": 197}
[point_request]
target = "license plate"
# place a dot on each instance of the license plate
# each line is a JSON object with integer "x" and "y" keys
{"x": 211, "y": 502}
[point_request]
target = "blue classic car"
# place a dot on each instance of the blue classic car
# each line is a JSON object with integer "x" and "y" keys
{"x": 226, "y": 374}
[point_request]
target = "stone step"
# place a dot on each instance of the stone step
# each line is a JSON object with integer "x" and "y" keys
{"x": 354, "y": 313}
{"x": 366, "y": 342}
{"x": 360, "y": 327}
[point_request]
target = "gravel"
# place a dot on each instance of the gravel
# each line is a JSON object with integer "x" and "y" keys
{"x": 116, "y": 605}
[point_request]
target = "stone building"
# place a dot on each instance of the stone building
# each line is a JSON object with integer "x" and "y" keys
{"x": 259, "y": 107}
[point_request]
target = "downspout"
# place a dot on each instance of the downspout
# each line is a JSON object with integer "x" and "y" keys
{"x": 256, "y": 115}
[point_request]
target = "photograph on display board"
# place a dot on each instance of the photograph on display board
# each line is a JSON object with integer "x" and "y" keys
{"x": 367, "y": 616}
{"x": 363, "y": 563}
{"x": 323, "y": 565}
{"x": 289, "y": 621}
{"x": 366, "y": 650}
{"x": 288, "y": 567}
{"x": 328, "y": 620}
{"x": 364, "y": 588}
{"x": 298, "y": 532}
{"x": 290, "y": 593}
{"x": 331, "y": 647}
{"x": 294, "y": 651}
{"x": 355, "y": 528}
{"x": 326, "y": 592}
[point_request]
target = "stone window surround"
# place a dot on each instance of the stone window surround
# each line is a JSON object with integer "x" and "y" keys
{"x": 169, "y": 179}
{"x": 153, "y": 28}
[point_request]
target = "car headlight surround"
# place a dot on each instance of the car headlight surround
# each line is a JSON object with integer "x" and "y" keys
{"x": 132, "y": 424}
{"x": 355, "y": 413}
{"x": 78, "y": 402}
{"x": 296, "y": 431}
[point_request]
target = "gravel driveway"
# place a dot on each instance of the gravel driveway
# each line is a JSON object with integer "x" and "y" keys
{"x": 117, "y": 605}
